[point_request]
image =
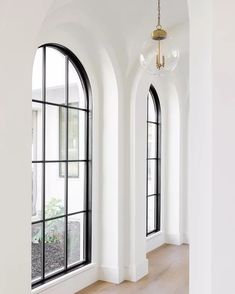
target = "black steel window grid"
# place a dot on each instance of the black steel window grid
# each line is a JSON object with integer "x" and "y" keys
{"x": 62, "y": 121}
{"x": 69, "y": 57}
{"x": 157, "y": 162}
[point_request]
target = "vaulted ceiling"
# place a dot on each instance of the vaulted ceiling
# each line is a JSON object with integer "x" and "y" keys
{"x": 126, "y": 24}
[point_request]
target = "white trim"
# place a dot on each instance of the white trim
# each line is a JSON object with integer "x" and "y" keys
{"x": 155, "y": 241}
{"x": 136, "y": 272}
{"x": 111, "y": 274}
{"x": 116, "y": 275}
{"x": 87, "y": 275}
{"x": 154, "y": 235}
{"x": 185, "y": 238}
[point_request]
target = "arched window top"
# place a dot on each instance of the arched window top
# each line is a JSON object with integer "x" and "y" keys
{"x": 58, "y": 70}
{"x": 154, "y": 108}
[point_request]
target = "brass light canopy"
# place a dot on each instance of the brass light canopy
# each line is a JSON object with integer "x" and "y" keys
{"x": 159, "y": 34}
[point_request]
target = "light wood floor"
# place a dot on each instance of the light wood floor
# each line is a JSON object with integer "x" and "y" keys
{"x": 168, "y": 274}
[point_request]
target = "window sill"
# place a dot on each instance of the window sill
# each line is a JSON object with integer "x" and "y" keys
{"x": 154, "y": 235}
{"x": 62, "y": 279}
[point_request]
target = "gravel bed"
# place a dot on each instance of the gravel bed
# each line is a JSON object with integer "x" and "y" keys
{"x": 54, "y": 258}
{"x": 54, "y": 252}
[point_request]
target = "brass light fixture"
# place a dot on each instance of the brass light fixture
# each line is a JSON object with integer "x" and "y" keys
{"x": 158, "y": 35}
{"x": 158, "y": 55}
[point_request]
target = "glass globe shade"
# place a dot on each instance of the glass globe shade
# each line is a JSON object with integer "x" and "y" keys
{"x": 149, "y": 53}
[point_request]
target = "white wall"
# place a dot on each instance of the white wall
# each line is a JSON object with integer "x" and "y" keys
{"x": 223, "y": 156}
{"x": 18, "y": 28}
{"x": 211, "y": 185}
{"x": 200, "y": 147}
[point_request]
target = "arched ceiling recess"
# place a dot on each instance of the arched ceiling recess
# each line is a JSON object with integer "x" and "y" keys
{"x": 126, "y": 23}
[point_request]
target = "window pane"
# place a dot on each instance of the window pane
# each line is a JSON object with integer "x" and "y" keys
{"x": 158, "y": 112}
{"x": 159, "y": 141}
{"x": 152, "y": 177}
{"x": 76, "y": 91}
{"x": 77, "y": 126}
{"x": 55, "y": 76}
{"x": 152, "y": 146}
{"x": 151, "y": 213}
{"x": 76, "y": 187}
{"x": 36, "y": 191}
{"x": 75, "y": 239}
{"x": 37, "y": 245}
{"x": 159, "y": 176}
{"x": 62, "y": 133}
{"x": 54, "y": 245}
{"x": 151, "y": 109}
{"x": 55, "y": 133}
{"x": 37, "y": 75}
{"x": 37, "y": 115}
{"x": 55, "y": 191}
{"x": 158, "y": 210}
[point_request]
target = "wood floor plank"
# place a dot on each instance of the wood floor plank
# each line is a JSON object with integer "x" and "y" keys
{"x": 168, "y": 274}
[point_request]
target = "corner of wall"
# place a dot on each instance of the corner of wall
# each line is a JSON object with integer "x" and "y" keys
{"x": 113, "y": 275}
{"x": 136, "y": 272}
{"x": 174, "y": 239}
{"x": 116, "y": 275}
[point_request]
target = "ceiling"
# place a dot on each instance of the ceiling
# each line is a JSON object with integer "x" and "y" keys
{"x": 134, "y": 11}
{"x": 173, "y": 11}
{"x": 127, "y": 23}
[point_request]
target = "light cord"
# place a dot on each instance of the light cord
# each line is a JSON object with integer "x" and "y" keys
{"x": 159, "y": 13}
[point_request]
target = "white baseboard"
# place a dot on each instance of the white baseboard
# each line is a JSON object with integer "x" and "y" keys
{"x": 185, "y": 239}
{"x": 111, "y": 274}
{"x": 118, "y": 275}
{"x": 174, "y": 239}
{"x": 155, "y": 241}
{"x": 136, "y": 272}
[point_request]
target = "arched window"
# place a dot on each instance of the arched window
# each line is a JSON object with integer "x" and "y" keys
{"x": 153, "y": 201}
{"x": 61, "y": 164}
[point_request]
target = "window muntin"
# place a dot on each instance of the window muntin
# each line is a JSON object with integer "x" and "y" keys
{"x": 61, "y": 164}
{"x": 76, "y": 124}
{"x": 153, "y": 201}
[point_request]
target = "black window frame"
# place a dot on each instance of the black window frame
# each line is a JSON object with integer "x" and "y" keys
{"x": 69, "y": 57}
{"x": 157, "y": 196}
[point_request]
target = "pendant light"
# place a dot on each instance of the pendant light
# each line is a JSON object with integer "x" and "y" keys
{"x": 159, "y": 55}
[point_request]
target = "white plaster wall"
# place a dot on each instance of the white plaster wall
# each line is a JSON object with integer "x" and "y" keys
{"x": 19, "y": 24}
{"x": 181, "y": 82}
{"x": 200, "y": 147}
{"x": 223, "y": 190}
{"x": 172, "y": 203}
